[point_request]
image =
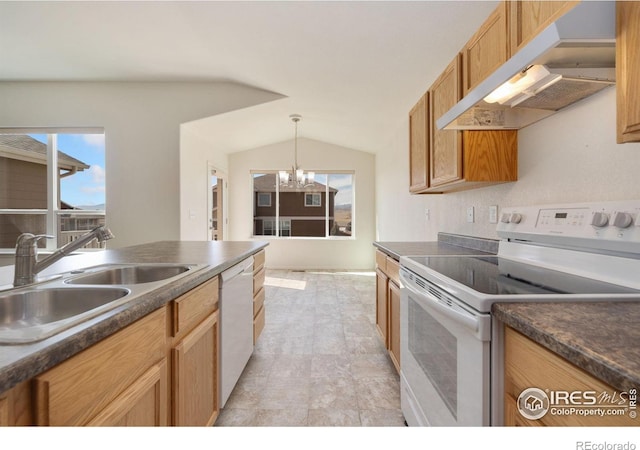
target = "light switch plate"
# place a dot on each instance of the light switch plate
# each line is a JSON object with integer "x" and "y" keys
{"x": 493, "y": 214}
{"x": 470, "y": 214}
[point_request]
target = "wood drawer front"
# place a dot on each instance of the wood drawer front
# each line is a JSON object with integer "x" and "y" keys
{"x": 528, "y": 364}
{"x": 258, "y": 261}
{"x": 143, "y": 404}
{"x": 381, "y": 260}
{"x": 393, "y": 270}
{"x": 258, "y": 280}
{"x": 76, "y": 390}
{"x": 258, "y": 301}
{"x": 191, "y": 308}
{"x": 258, "y": 325}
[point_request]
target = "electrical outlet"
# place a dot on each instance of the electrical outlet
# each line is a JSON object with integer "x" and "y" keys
{"x": 470, "y": 214}
{"x": 493, "y": 214}
{"x": 427, "y": 214}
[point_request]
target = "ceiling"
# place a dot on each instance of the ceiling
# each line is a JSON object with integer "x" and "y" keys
{"x": 352, "y": 69}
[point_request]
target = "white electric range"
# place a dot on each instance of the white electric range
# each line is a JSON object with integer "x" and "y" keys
{"x": 451, "y": 348}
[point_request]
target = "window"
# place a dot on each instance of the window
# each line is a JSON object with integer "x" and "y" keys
{"x": 323, "y": 209}
{"x": 264, "y": 199}
{"x": 42, "y": 191}
{"x": 312, "y": 199}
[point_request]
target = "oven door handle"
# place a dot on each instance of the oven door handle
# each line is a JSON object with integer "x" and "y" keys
{"x": 468, "y": 320}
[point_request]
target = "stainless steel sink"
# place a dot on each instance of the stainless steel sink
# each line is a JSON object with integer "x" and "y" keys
{"x": 134, "y": 274}
{"x": 33, "y": 313}
{"x": 29, "y": 315}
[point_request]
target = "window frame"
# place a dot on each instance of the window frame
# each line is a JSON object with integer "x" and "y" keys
{"x": 261, "y": 205}
{"x": 52, "y": 213}
{"x": 313, "y": 196}
{"x": 277, "y": 219}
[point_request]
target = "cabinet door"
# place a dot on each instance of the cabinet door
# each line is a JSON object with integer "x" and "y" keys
{"x": 528, "y": 18}
{"x": 394, "y": 324}
{"x": 195, "y": 376}
{"x": 382, "y": 285}
{"x": 79, "y": 389}
{"x": 446, "y": 145}
{"x": 487, "y": 50}
{"x": 419, "y": 145}
{"x": 528, "y": 364}
{"x": 143, "y": 404}
{"x": 627, "y": 73}
{"x": 15, "y": 406}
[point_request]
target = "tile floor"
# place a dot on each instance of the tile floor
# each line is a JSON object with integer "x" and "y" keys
{"x": 319, "y": 360}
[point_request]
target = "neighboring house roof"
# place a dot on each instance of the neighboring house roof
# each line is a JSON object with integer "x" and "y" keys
{"x": 267, "y": 183}
{"x": 26, "y": 148}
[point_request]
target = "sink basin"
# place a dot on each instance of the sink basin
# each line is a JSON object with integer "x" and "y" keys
{"x": 136, "y": 274}
{"x": 34, "y": 314}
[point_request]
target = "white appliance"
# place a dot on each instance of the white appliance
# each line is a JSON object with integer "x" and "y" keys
{"x": 451, "y": 347}
{"x": 236, "y": 324}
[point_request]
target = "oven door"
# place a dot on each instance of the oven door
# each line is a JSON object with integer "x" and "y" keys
{"x": 445, "y": 348}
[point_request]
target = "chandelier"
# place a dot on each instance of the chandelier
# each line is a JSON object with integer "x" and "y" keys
{"x": 296, "y": 177}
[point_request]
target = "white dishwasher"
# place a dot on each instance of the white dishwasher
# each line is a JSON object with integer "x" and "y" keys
{"x": 236, "y": 324}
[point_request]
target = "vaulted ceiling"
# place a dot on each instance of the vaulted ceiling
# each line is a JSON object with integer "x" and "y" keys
{"x": 352, "y": 69}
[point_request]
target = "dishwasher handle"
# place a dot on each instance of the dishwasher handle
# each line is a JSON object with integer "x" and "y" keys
{"x": 244, "y": 266}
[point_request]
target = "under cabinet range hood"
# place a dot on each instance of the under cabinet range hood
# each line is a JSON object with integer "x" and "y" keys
{"x": 571, "y": 59}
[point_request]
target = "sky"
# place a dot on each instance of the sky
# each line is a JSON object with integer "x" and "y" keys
{"x": 87, "y": 187}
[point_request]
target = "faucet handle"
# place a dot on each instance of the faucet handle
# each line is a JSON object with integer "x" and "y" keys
{"x": 27, "y": 242}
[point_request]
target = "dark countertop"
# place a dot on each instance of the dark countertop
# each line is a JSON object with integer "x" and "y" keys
{"x": 447, "y": 244}
{"x": 601, "y": 338}
{"x": 24, "y": 361}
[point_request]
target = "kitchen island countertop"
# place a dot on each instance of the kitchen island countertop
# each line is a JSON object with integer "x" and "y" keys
{"x": 22, "y": 362}
{"x": 601, "y": 338}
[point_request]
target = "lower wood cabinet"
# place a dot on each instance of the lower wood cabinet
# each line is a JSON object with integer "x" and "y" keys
{"x": 394, "y": 323}
{"x": 15, "y": 406}
{"x": 382, "y": 286}
{"x": 388, "y": 304}
{"x": 195, "y": 380}
{"x": 161, "y": 370}
{"x": 143, "y": 404}
{"x": 259, "y": 273}
{"x": 195, "y": 351}
{"x": 530, "y": 365}
{"x": 102, "y": 384}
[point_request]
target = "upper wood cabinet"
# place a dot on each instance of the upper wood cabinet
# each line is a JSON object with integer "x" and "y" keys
{"x": 419, "y": 145}
{"x": 466, "y": 159}
{"x": 487, "y": 50}
{"x": 528, "y": 18}
{"x": 628, "y": 71}
{"x": 446, "y": 145}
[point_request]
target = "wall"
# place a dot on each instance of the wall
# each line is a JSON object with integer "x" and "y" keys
{"x": 142, "y": 130}
{"x": 569, "y": 157}
{"x": 301, "y": 253}
{"x": 196, "y": 155}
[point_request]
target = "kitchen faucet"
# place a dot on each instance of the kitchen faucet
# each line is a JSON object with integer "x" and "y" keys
{"x": 27, "y": 264}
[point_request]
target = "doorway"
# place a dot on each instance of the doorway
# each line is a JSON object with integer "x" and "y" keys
{"x": 216, "y": 194}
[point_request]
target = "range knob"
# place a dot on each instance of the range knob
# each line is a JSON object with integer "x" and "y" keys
{"x": 600, "y": 219}
{"x": 516, "y": 218}
{"x": 622, "y": 220}
{"x": 505, "y": 218}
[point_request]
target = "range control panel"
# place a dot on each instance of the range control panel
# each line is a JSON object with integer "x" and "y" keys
{"x": 605, "y": 225}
